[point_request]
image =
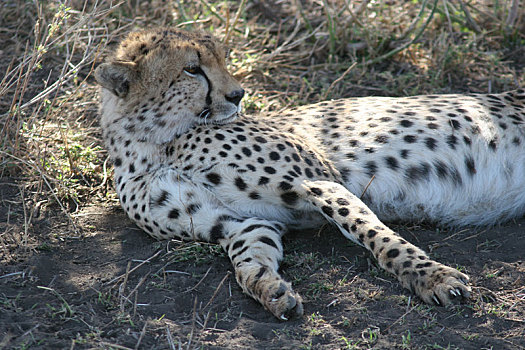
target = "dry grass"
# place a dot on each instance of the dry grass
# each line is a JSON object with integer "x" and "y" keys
{"x": 285, "y": 53}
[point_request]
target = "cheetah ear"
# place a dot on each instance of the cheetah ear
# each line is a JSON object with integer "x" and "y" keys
{"x": 116, "y": 76}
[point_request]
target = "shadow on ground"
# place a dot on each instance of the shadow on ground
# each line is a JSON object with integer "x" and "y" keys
{"x": 111, "y": 286}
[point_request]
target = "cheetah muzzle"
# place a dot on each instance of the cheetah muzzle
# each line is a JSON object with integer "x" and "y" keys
{"x": 189, "y": 165}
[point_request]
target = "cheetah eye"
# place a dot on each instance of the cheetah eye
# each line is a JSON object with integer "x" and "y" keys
{"x": 192, "y": 70}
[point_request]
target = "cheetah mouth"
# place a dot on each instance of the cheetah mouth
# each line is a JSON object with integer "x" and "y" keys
{"x": 227, "y": 119}
{"x": 206, "y": 117}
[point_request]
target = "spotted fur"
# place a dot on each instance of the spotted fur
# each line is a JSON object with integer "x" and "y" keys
{"x": 189, "y": 165}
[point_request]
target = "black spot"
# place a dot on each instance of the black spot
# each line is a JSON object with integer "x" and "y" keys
{"x": 192, "y": 208}
{"x": 219, "y": 137}
{"x": 342, "y": 201}
{"x": 316, "y": 191}
{"x": 260, "y": 139}
{"x": 467, "y": 140}
{"x": 238, "y": 244}
{"x": 274, "y": 156}
{"x": 452, "y": 141}
{"x": 392, "y": 162}
{"x": 471, "y": 167}
{"x": 430, "y": 143}
{"x": 371, "y": 233}
{"x": 118, "y": 162}
{"x": 392, "y": 253}
{"x": 216, "y": 232}
{"x": 406, "y": 123}
{"x": 268, "y": 241}
{"x": 404, "y": 153}
{"x": 263, "y": 180}
{"x": 174, "y": 213}
{"x": 455, "y": 124}
{"x": 269, "y": 170}
{"x": 515, "y": 117}
{"x": 432, "y": 126}
{"x": 254, "y": 195}
{"x": 360, "y": 221}
{"x": 371, "y": 168}
{"x": 161, "y": 200}
{"x": 308, "y": 173}
{"x": 240, "y": 252}
{"x": 285, "y": 186}
{"x": 289, "y": 198}
{"x": 493, "y": 144}
{"x": 407, "y": 263}
{"x": 441, "y": 169}
{"x": 410, "y": 138}
{"x": 214, "y": 178}
{"x": 257, "y": 226}
{"x": 343, "y": 212}
{"x": 247, "y": 152}
{"x": 427, "y": 264}
{"x": 381, "y": 139}
{"x": 262, "y": 271}
{"x": 241, "y": 185}
{"x": 327, "y": 210}
{"x": 416, "y": 173}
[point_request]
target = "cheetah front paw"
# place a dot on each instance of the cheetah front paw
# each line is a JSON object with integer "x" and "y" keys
{"x": 443, "y": 286}
{"x": 283, "y": 302}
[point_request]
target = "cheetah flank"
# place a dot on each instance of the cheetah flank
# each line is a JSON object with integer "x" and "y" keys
{"x": 189, "y": 165}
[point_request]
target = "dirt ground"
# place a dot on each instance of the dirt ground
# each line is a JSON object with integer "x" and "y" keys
{"x": 75, "y": 273}
{"x": 113, "y": 287}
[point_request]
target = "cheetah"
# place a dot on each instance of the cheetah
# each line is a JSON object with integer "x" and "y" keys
{"x": 190, "y": 165}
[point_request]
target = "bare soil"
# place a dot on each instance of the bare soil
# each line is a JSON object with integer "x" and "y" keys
{"x": 114, "y": 287}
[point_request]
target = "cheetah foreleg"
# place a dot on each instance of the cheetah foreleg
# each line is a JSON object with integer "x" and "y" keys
{"x": 255, "y": 249}
{"x": 430, "y": 280}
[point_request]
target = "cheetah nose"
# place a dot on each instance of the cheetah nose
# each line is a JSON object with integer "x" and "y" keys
{"x": 235, "y": 96}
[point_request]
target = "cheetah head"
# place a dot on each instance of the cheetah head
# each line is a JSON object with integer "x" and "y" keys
{"x": 159, "y": 83}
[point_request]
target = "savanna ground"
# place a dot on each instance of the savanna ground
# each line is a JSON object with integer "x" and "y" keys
{"x": 76, "y": 273}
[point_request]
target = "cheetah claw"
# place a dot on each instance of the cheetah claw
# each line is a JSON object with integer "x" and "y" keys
{"x": 445, "y": 286}
{"x": 285, "y": 303}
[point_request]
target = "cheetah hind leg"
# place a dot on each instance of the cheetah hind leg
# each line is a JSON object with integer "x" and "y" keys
{"x": 433, "y": 282}
{"x": 255, "y": 250}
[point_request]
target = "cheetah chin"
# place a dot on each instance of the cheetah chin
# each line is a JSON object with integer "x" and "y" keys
{"x": 241, "y": 180}
{"x": 207, "y": 118}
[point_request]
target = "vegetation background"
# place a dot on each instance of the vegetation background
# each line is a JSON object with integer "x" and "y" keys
{"x": 75, "y": 273}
